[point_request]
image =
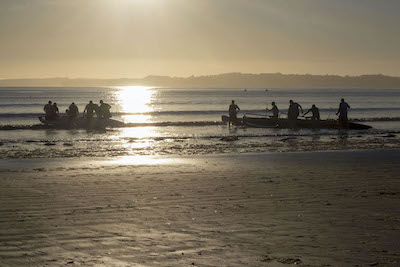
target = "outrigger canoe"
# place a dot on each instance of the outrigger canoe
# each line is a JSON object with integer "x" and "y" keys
{"x": 260, "y": 121}
{"x": 81, "y": 122}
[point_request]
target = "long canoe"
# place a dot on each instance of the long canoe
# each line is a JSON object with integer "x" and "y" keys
{"x": 266, "y": 122}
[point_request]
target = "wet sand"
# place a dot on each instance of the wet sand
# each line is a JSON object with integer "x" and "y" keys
{"x": 267, "y": 209}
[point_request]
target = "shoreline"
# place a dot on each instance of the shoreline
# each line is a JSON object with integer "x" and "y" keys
{"x": 146, "y": 160}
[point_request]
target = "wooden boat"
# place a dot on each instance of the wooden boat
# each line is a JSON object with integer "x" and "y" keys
{"x": 64, "y": 122}
{"x": 262, "y": 121}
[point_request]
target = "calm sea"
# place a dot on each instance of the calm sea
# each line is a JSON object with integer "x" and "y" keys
{"x": 188, "y": 121}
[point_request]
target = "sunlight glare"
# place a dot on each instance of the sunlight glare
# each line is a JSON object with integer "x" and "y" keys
{"x": 135, "y": 102}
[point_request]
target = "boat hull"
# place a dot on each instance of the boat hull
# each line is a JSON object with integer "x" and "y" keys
{"x": 81, "y": 123}
{"x": 263, "y": 122}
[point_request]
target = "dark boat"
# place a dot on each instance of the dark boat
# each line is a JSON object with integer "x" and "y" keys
{"x": 81, "y": 122}
{"x": 262, "y": 121}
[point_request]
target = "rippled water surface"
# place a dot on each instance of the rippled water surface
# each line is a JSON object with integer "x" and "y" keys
{"x": 188, "y": 121}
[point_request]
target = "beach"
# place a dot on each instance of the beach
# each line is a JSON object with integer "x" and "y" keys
{"x": 256, "y": 209}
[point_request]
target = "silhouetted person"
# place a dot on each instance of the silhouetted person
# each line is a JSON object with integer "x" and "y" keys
{"x": 233, "y": 109}
{"x": 294, "y": 110}
{"x": 49, "y": 110}
{"x": 90, "y": 109}
{"x": 342, "y": 111}
{"x": 73, "y": 111}
{"x": 315, "y": 113}
{"x": 56, "y": 111}
{"x": 275, "y": 111}
{"x": 104, "y": 110}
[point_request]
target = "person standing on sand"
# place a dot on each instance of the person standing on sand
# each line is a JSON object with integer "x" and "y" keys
{"x": 342, "y": 111}
{"x": 233, "y": 109}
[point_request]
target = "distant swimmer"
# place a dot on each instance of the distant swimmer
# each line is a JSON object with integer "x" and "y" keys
{"x": 233, "y": 110}
{"x": 73, "y": 111}
{"x": 342, "y": 111}
{"x": 294, "y": 110}
{"x": 49, "y": 110}
{"x": 104, "y": 110}
{"x": 315, "y": 113}
{"x": 275, "y": 111}
{"x": 90, "y": 109}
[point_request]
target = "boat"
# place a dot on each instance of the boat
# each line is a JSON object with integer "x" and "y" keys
{"x": 263, "y": 121}
{"x": 81, "y": 122}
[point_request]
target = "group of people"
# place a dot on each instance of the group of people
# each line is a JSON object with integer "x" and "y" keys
{"x": 101, "y": 111}
{"x": 294, "y": 112}
{"x": 51, "y": 110}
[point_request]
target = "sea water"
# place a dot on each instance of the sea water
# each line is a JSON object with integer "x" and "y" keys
{"x": 188, "y": 121}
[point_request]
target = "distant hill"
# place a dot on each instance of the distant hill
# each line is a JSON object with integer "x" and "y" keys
{"x": 227, "y": 80}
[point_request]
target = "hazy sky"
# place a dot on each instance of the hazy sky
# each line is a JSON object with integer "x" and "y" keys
{"x": 135, "y": 38}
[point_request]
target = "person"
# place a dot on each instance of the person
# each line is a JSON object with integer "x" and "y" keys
{"x": 294, "y": 110}
{"x": 90, "y": 109}
{"x": 49, "y": 110}
{"x": 73, "y": 111}
{"x": 315, "y": 113}
{"x": 275, "y": 111}
{"x": 233, "y": 109}
{"x": 104, "y": 110}
{"x": 55, "y": 110}
{"x": 342, "y": 111}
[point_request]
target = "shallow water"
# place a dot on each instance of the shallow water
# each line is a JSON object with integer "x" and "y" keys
{"x": 187, "y": 121}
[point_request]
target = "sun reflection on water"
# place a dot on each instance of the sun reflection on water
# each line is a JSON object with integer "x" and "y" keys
{"x": 135, "y": 103}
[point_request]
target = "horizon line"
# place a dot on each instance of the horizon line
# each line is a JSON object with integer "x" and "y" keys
{"x": 200, "y": 75}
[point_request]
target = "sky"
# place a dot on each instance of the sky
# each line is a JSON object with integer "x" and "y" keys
{"x": 136, "y": 38}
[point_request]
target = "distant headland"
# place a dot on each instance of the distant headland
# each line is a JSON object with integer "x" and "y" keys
{"x": 226, "y": 80}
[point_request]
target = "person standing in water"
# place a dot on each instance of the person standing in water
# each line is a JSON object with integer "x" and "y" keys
{"x": 233, "y": 109}
{"x": 294, "y": 110}
{"x": 342, "y": 111}
{"x": 55, "y": 110}
{"x": 90, "y": 109}
{"x": 49, "y": 110}
{"x": 315, "y": 113}
{"x": 275, "y": 111}
{"x": 73, "y": 111}
{"x": 104, "y": 110}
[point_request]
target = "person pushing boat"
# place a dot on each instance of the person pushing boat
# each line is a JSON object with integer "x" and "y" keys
{"x": 90, "y": 109}
{"x": 315, "y": 113}
{"x": 104, "y": 110}
{"x": 233, "y": 110}
{"x": 294, "y": 110}
{"x": 49, "y": 111}
{"x": 73, "y": 111}
{"x": 56, "y": 111}
{"x": 342, "y": 111}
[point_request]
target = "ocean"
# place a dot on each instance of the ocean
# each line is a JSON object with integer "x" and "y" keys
{"x": 188, "y": 121}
